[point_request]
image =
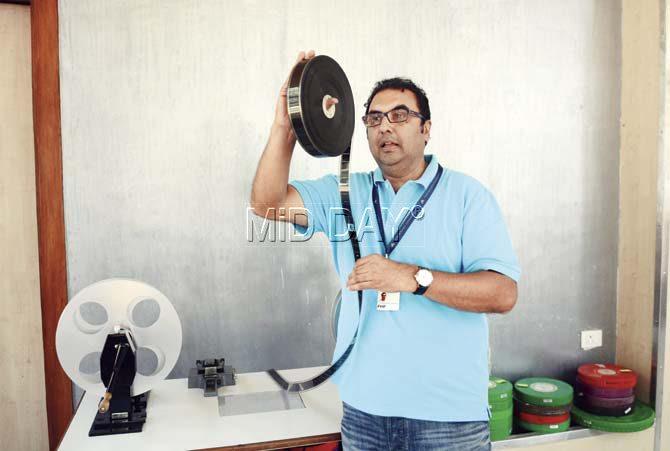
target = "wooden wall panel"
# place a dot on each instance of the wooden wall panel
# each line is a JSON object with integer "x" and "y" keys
{"x": 640, "y": 109}
{"x": 49, "y": 182}
{"x": 23, "y": 416}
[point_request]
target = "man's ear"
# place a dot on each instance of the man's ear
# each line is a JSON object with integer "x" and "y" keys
{"x": 425, "y": 130}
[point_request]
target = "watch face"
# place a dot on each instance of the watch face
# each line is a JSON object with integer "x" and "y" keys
{"x": 424, "y": 277}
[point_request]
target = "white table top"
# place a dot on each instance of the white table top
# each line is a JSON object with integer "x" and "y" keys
{"x": 179, "y": 418}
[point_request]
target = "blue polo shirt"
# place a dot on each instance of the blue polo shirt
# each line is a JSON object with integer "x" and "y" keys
{"x": 426, "y": 361}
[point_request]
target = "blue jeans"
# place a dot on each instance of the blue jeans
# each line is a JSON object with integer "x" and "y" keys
{"x": 362, "y": 431}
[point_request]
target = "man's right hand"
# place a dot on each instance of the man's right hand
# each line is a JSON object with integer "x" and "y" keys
{"x": 281, "y": 111}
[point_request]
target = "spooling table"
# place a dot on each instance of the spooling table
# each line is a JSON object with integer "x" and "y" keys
{"x": 180, "y": 419}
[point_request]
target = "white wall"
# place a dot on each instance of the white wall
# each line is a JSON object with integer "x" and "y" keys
{"x": 166, "y": 107}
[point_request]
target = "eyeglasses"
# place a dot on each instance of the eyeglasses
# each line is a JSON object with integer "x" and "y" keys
{"x": 398, "y": 114}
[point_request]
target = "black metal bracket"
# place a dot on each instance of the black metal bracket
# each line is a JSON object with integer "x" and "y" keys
{"x": 210, "y": 374}
{"x": 118, "y": 411}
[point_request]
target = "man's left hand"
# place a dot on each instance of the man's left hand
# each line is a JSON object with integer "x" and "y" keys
{"x": 374, "y": 272}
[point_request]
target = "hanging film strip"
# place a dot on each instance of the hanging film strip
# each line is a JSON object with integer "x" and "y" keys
{"x": 324, "y": 128}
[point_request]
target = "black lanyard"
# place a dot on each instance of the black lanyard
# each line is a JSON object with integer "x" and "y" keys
{"x": 409, "y": 217}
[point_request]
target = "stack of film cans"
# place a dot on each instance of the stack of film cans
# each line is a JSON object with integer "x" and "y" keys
{"x": 542, "y": 404}
{"x": 605, "y": 399}
{"x": 501, "y": 407}
{"x": 605, "y": 389}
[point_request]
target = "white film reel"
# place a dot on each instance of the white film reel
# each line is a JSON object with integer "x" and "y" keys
{"x": 79, "y": 339}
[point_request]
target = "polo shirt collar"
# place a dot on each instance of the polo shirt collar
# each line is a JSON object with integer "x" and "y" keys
{"x": 425, "y": 178}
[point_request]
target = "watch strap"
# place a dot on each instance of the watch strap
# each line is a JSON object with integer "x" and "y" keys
{"x": 421, "y": 290}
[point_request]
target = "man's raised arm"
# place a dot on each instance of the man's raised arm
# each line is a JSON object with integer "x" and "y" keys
{"x": 271, "y": 195}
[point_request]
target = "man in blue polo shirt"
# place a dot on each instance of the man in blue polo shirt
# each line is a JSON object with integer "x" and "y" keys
{"x": 417, "y": 376}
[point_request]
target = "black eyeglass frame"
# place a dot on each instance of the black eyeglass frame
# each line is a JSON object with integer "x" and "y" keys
{"x": 386, "y": 114}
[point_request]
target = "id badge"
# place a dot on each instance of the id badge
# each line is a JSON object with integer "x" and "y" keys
{"x": 388, "y": 301}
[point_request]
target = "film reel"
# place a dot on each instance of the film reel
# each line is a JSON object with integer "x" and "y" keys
{"x": 607, "y": 375}
{"x": 109, "y": 305}
{"x": 641, "y": 418}
{"x": 323, "y": 129}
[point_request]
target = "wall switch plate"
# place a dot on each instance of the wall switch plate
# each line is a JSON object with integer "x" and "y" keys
{"x": 592, "y": 339}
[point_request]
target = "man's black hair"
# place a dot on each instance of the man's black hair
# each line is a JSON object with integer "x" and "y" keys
{"x": 401, "y": 84}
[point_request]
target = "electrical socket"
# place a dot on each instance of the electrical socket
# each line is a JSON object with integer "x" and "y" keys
{"x": 592, "y": 339}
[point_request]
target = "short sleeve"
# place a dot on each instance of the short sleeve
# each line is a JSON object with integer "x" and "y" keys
{"x": 320, "y": 197}
{"x": 486, "y": 241}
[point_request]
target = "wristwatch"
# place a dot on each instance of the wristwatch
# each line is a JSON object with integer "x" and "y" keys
{"x": 423, "y": 278}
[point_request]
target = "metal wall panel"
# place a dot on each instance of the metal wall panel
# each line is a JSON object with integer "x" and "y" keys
{"x": 166, "y": 107}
